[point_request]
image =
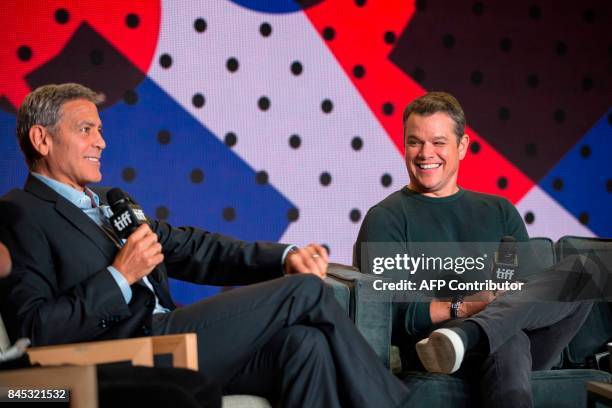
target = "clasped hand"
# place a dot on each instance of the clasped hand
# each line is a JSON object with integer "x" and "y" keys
{"x": 312, "y": 259}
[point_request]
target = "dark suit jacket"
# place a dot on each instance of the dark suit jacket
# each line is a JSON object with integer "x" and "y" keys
{"x": 60, "y": 290}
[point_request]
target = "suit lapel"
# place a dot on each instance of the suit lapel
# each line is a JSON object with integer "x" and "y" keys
{"x": 72, "y": 214}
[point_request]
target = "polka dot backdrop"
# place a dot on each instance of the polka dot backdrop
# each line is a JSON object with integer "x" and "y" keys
{"x": 265, "y": 120}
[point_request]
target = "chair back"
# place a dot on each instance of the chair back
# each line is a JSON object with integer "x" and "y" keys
{"x": 588, "y": 348}
{"x": 542, "y": 252}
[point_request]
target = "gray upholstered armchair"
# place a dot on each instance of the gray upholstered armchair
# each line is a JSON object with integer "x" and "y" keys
{"x": 551, "y": 388}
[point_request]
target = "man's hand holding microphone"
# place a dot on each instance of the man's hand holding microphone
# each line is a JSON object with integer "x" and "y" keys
{"x": 141, "y": 252}
{"x": 140, "y": 255}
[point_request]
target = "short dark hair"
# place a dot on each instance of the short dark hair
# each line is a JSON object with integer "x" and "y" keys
{"x": 434, "y": 102}
{"x": 42, "y": 107}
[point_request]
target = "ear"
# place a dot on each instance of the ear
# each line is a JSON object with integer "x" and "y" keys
{"x": 40, "y": 139}
{"x": 464, "y": 142}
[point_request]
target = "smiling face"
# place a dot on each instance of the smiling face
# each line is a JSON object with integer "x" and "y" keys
{"x": 71, "y": 150}
{"x": 433, "y": 154}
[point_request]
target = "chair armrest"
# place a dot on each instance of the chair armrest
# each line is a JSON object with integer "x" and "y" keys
{"x": 139, "y": 351}
{"x": 371, "y": 314}
{"x": 81, "y": 381}
{"x": 341, "y": 291}
{"x": 183, "y": 347}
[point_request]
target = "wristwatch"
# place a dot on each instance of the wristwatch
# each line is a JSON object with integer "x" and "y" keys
{"x": 454, "y": 306}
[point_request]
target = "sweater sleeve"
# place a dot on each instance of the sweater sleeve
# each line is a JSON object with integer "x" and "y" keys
{"x": 381, "y": 234}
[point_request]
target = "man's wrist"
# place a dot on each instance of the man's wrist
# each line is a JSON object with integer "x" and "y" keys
{"x": 286, "y": 253}
{"x": 123, "y": 284}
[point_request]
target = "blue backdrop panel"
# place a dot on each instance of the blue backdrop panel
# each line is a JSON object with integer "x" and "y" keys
{"x": 581, "y": 180}
{"x": 12, "y": 166}
{"x": 223, "y": 183}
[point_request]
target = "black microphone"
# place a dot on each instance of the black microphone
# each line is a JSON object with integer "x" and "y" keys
{"x": 505, "y": 262}
{"x": 127, "y": 215}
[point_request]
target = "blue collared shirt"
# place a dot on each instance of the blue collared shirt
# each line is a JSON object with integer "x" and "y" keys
{"x": 99, "y": 214}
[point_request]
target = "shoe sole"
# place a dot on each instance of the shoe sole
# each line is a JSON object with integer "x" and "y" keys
{"x": 441, "y": 352}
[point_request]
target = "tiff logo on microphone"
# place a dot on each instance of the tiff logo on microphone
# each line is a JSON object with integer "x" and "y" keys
{"x": 123, "y": 221}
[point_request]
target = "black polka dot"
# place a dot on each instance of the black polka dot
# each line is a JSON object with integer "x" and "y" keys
{"x": 559, "y": 115}
{"x": 561, "y": 48}
{"x": 326, "y": 248}
{"x": 421, "y": 5}
{"x": 587, "y": 83}
{"x": 505, "y": 44}
{"x": 355, "y": 215}
{"x": 358, "y": 71}
{"x": 325, "y": 178}
{"x": 293, "y": 214}
{"x": 327, "y": 106}
{"x": 448, "y": 40}
{"x": 478, "y": 8}
{"x": 557, "y": 184}
{"x": 329, "y": 33}
{"x": 229, "y": 214}
{"x": 475, "y": 147}
{"x": 132, "y": 20}
{"x": 232, "y": 64}
{"x": 263, "y": 103}
{"x": 96, "y": 57}
{"x": 162, "y": 213}
{"x": 130, "y": 97}
{"x": 296, "y": 68}
{"x": 585, "y": 151}
{"x": 531, "y": 149}
{"x": 165, "y": 61}
{"x": 198, "y": 100}
{"x": 502, "y": 183}
{"x": 199, "y": 25}
{"x": 535, "y": 12}
{"x": 295, "y": 141}
{"x": 386, "y": 180}
{"x": 128, "y": 174}
{"x": 163, "y": 137}
{"x": 533, "y": 81}
{"x": 261, "y": 177}
{"x": 24, "y": 53}
{"x": 62, "y": 16}
{"x": 230, "y": 139}
{"x": 196, "y": 176}
{"x": 504, "y": 113}
{"x": 265, "y": 29}
{"x": 360, "y": 3}
{"x": 418, "y": 74}
{"x": 388, "y": 108}
{"x": 584, "y": 218}
{"x": 476, "y": 77}
{"x": 609, "y": 185}
{"x": 390, "y": 37}
{"x": 529, "y": 217}
{"x": 357, "y": 143}
{"x": 588, "y": 16}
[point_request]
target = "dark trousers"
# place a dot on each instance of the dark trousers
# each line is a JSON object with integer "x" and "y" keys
{"x": 289, "y": 341}
{"x": 525, "y": 334}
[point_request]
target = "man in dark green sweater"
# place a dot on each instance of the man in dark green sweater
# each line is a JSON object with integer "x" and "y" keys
{"x": 504, "y": 329}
